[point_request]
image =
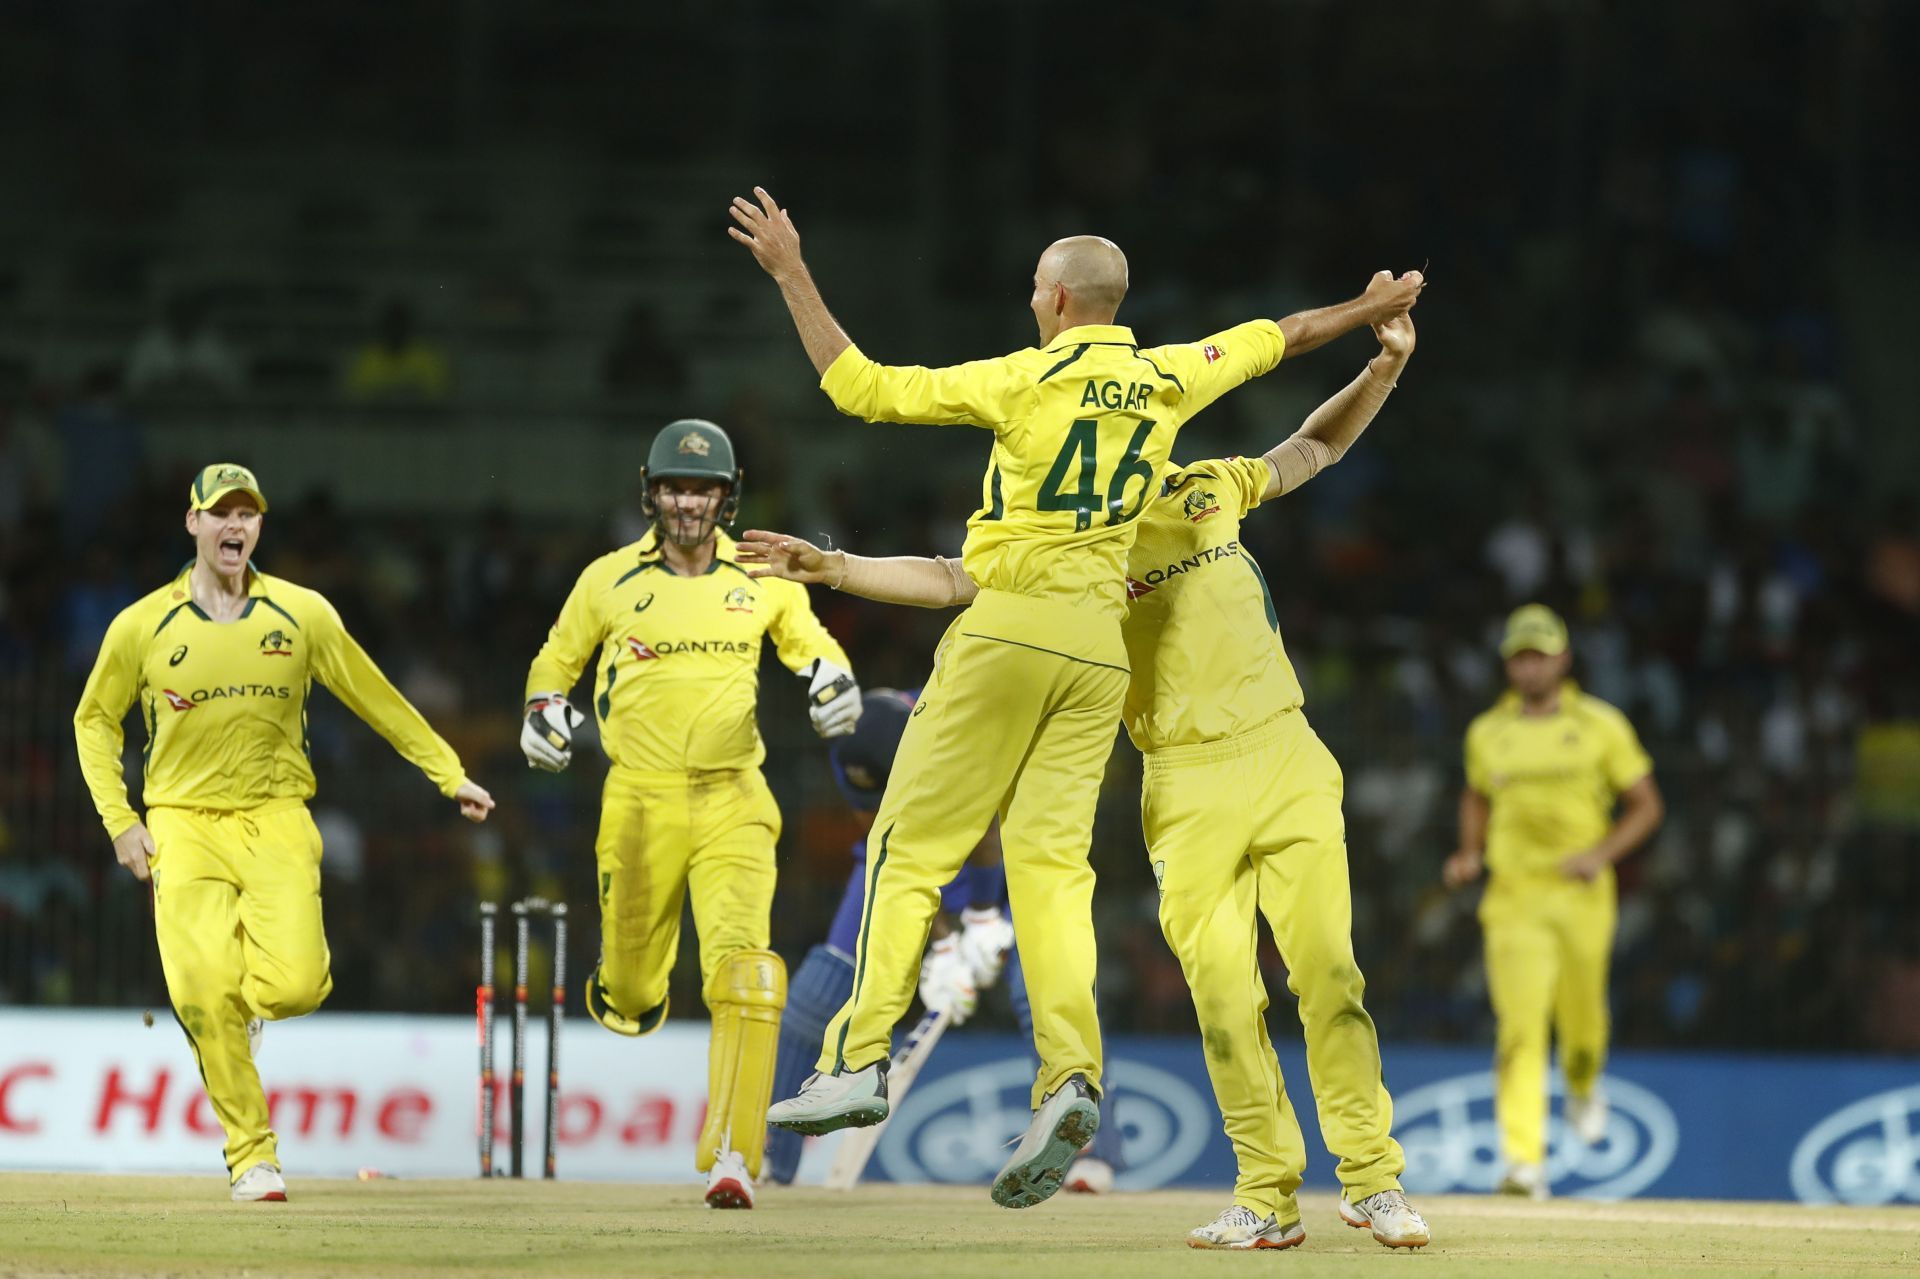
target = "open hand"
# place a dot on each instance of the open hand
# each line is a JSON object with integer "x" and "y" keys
{"x": 132, "y": 847}
{"x": 766, "y": 229}
{"x": 793, "y": 558}
{"x": 474, "y": 802}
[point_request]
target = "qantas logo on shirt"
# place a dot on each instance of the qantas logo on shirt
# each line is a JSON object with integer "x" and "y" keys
{"x": 1136, "y": 588}
{"x": 1213, "y": 352}
{"x": 274, "y": 692}
{"x": 1159, "y": 576}
{"x": 1199, "y": 505}
{"x": 640, "y": 651}
{"x": 644, "y": 652}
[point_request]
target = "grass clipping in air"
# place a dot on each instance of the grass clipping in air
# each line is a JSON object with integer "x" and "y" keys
{"x": 105, "y": 1225}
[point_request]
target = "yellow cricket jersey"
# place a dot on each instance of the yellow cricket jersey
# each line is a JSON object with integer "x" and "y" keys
{"x": 1081, "y": 434}
{"x": 1551, "y": 779}
{"x": 1201, "y": 634}
{"x": 225, "y": 703}
{"x": 677, "y": 671}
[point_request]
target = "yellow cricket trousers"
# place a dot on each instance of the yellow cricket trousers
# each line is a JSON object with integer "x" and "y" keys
{"x": 661, "y": 834}
{"x": 1247, "y": 826}
{"x": 1549, "y": 941}
{"x": 236, "y": 906}
{"x": 1018, "y": 718}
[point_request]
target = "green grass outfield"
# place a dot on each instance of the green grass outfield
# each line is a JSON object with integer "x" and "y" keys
{"x": 103, "y": 1225}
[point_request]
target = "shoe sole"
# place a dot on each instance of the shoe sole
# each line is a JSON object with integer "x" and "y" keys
{"x": 729, "y": 1194}
{"x": 1249, "y": 1246}
{"x": 1364, "y": 1224}
{"x": 1037, "y": 1178}
{"x": 864, "y": 1115}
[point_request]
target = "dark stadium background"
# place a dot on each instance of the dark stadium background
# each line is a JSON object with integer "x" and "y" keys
{"x": 1664, "y": 382}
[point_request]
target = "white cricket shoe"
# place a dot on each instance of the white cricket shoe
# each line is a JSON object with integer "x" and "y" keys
{"x": 854, "y": 1099}
{"x": 1587, "y": 1116}
{"x": 1392, "y": 1218}
{"x": 1239, "y": 1227}
{"x": 1528, "y": 1180}
{"x": 1089, "y": 1177}
{"x": 256, "y": 1035}
{"x": 1060, "y": 1130}
{"x": 260, "y": 1183}
{"x": 729, "y": 1185}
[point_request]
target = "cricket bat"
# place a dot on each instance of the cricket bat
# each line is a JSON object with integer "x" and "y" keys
{"x": 857, "y": 1147}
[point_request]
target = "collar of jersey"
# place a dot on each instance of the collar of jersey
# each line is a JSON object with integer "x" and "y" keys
{"x": 1569, "y": 690}
{"x": 1093, "y": 335}
{"x": 651, "y": 556}
{"x": 256, "y": 580}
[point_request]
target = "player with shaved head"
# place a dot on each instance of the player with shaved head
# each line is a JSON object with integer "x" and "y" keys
{"x": 1018, "y": 715}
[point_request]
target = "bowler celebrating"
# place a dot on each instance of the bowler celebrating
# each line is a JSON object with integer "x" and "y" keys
{"x": 222, "y": 660}
{"x": 1017, "y": 717}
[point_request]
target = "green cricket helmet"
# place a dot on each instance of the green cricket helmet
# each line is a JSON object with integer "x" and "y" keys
{"x": 691, "y": 448}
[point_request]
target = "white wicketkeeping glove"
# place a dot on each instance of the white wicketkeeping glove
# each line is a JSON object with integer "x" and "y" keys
{"x": 986, "y": 936}
{"x": 833, "y": 699}
{"x": 546, "y": 739}
{"x": 945, "y": 981}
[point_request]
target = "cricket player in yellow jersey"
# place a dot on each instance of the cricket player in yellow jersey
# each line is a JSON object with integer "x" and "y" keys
{"x": 1546, "y": 767}
{"x": 1018, "y": 715}
{"x": 1241, "y": 810}
{"x": 674, "y": 629}
{"x": 221, "y": 661}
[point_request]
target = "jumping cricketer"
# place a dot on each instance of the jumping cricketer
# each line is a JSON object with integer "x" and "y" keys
{"x": 1545, "y": 769}
{"x": 221, "y": 661}
{"x": 1241, "y": 809}
{"x": 674, "y": 629}
{"x": 1028, "y": 682}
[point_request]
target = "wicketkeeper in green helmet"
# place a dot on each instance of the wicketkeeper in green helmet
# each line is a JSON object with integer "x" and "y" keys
{"x": 673, "y": 627}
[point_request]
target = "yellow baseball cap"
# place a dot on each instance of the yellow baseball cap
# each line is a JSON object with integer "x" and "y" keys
{"x": 222, "y": 478}
{"x": 1534, "y": 628}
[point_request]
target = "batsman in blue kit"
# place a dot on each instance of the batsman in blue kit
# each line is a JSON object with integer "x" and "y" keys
{"x": 960, "y": 963}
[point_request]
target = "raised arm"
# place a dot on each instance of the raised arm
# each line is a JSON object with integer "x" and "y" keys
{"x": 768, "y": 231}
{"x": 899, "y": 579}
{"x": 1385, "y": 298}
{"x": 1331, "y": 429}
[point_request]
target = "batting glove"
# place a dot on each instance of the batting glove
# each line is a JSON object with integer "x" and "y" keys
{"x": 546, "y": 739}
{"x": 986, "y": 936}
{"x": 945, "y": 981}
{"x": 833, "y": 699}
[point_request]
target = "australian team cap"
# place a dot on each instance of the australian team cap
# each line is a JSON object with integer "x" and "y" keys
{"x": 1534, "y": 628}
{"x": 220, "y": 479}
{"x": 691, "y": 449}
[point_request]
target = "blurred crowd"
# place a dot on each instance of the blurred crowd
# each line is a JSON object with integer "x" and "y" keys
{"x": 1628, "y": 402}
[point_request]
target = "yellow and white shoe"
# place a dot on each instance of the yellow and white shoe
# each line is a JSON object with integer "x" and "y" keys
{"x": 1242, "y": 1228}
{"x": 261, "y": 1183}
{"x": 729, "y": 1185}
{"x": 1390, "y": 1216}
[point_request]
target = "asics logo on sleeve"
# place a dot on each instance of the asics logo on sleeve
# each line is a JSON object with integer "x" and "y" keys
{"x": 179, "y": 656}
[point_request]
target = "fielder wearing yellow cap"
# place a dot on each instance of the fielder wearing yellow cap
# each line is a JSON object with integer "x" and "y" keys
{"x": 1534, "y": 628}
{"x": 1546, "y": 767}
{"x": 216, "y": 481}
